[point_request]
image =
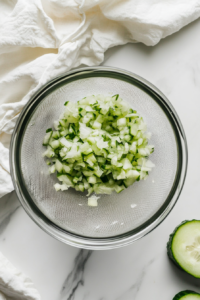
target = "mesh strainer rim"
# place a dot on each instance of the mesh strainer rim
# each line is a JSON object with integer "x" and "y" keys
{"x": 131, "y": 236}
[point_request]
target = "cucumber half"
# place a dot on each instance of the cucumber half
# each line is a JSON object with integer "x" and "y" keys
{"x": 183, "y": 247}
{"x": 187, "y": 295}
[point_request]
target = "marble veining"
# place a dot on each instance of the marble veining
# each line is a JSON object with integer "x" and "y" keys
{"x": 76, "y": 276}
{"x": 133, "y": 290}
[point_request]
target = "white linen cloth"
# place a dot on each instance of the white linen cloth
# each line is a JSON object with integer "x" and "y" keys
{"x": 40, "y": 39}
{"x": 14, "y": 285}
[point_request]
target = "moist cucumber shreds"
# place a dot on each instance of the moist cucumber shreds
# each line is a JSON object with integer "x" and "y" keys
{"x": 99, "y": 145}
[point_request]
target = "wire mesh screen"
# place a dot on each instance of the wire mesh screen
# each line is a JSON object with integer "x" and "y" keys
{"x": 116, "y": 213}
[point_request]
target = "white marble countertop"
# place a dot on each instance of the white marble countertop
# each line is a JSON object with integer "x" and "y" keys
{"x": 141, "y": 270}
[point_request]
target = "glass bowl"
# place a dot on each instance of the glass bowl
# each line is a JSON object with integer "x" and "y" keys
{"x": 119, "y": 219}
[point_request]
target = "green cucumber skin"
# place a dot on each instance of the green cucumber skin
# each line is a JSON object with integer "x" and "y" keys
{"x": 169, "y": 246}
{"x": 184, "y": 293}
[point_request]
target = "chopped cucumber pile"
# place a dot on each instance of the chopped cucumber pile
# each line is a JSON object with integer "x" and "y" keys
{"x": 183, "y": 247}
{"x": 187, "y": 295}
{"x": 100, "y": 145}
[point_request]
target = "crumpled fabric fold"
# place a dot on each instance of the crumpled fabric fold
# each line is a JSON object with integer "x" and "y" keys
{"x": 41, "y": 39}
{"x": 14, "y": 285}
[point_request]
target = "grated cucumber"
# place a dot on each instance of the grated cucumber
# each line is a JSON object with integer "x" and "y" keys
{"x": 99, "y": 144}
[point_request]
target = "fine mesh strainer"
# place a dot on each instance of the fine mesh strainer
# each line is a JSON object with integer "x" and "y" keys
{"x": 121, "y": 218}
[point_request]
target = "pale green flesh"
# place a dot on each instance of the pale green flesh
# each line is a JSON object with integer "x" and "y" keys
{"x": 186, "y": 248}
{"x": 190, "y": 297}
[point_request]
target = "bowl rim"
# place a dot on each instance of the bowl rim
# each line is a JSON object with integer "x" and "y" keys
{"x": 123, "y": 239}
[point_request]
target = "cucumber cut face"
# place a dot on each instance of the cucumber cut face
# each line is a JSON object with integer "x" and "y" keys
{"x": 184, "y": 247}
{"x": 187, "y": 295}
